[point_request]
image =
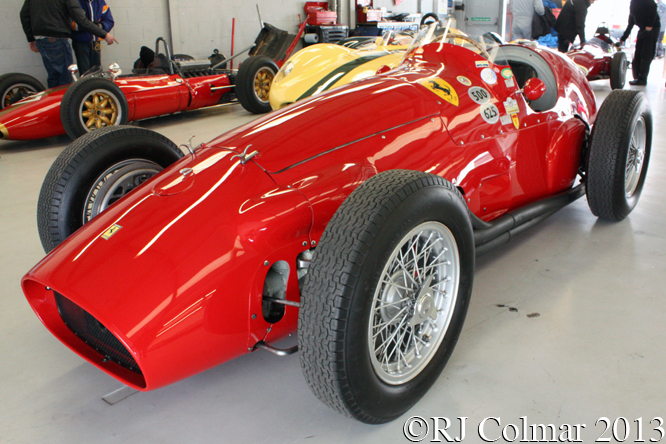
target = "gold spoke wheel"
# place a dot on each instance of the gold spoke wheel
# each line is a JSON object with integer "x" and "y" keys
{"x": 262, "y": 83}
{"x": 99, "y": 109}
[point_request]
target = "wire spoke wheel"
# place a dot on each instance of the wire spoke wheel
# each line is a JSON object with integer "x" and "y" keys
{"x": 619, "y": 154}
{"x": 635, "y": 156}
{"x": 100, "y": 109}
{"x": 413, "y": 303}
{"x": 116, "y": 182}
{"x": 386, "y": 294}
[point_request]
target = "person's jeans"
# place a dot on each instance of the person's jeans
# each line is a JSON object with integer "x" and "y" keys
{"x": 57, "y": 56}
{"x": 88, "y": 55}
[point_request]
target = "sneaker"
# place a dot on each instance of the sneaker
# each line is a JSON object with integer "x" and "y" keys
{"x": 638, "y": 82}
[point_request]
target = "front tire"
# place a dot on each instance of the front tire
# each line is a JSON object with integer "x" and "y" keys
{"x": 91, "y": 104}
{"x": 253, "y": 83}
{"x": 618, "y": 70}
{"x": 619, "y": 154}
{"x": 95, "y": 171}
{"x": 16, "y": 86}
{"x": 376, "y": 326}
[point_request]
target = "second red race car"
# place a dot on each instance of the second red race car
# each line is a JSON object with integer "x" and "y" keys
{"x": 601, "y": 58}
{"x": 363, "y": 242}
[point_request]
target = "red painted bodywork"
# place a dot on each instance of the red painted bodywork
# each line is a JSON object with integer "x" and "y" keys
{"x": 38, "y": 116}
{"x": 594, "y": 60}
{"x": 180, "y": 284}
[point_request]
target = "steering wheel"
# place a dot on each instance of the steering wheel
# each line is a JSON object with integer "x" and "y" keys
{"x": 430, "y": 15}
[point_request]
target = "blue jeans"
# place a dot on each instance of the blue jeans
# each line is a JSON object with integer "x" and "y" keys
{"x": 57, "y": 56}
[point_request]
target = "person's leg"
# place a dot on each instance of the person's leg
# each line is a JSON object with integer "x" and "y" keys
{"x": 82, "y": 53}
{"x": 57, "y": 56}
{"x": 45, "y": 50}
{"x": 562, "y": 44}
{"x": 96, "y": 53}
{"x": 646, "y": 53}
{"x": 636, "y": 61}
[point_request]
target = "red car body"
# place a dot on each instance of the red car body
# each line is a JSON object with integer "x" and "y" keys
{"x": 597, "y": 59}
{"x": 38, "y": 116}
{"x": 179, "y": 284}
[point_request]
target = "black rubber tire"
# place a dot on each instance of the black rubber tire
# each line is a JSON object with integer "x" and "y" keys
{"x": 78, "y": 169}
{"x": 72, "y": 105}
{"x": 248, "y": 75}
{"x": 618, "y": 70}
{"x": 341, "y": 280}
{"x": 611, "y": 137}
{"x": 425, "y": 18}
{"x": 13, "y": 83}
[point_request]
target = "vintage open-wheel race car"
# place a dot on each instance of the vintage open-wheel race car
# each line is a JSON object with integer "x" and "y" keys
{"x": 160, "y": 84}
{"x": 601, "y": 58}
{"x": 363, "y": 242}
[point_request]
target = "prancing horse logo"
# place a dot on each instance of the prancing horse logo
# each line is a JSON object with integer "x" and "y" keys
{"x": 436, "y": 86}
{"x": 443, "y": 89}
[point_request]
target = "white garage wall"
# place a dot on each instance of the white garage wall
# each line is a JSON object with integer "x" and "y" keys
{"x": 196, "y": 26}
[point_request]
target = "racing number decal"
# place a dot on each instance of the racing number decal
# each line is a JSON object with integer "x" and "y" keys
{"x": 111, "y": 231}
{"x": 442, "y": 89}
{"x": 479, "y": 95}
{"x": 490, "y": 113}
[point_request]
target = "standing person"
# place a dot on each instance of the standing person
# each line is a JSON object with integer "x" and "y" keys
{"x": 523, "y": 14}
{"x": 88, "y": 47}
{"x": 661, "y": 10}
{"x": 642, "y": 13}
{"x": 46, "y": 24}
{"x": 571, "y": 23}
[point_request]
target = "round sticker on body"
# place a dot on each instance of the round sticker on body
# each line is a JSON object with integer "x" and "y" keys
{"x": 479, "y": 95}
{"x": 489, "y": 76}
{"x": 464, "y": 80}
{"x": 489, "y": 112}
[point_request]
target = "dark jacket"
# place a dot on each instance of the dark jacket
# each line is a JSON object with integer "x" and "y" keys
{"x": 53, "y": 18}
{"x": 98, "y": 12}
{"x": 571, "y": 21}
{"x": 642, "y": 13}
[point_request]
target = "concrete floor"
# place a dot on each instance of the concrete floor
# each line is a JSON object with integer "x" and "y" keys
{"x": 597, "y": 348}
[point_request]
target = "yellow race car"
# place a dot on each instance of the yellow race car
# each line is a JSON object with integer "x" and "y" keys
{"x": 323, "y": 66}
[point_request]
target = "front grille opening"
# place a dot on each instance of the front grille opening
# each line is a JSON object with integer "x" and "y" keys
{"x": 93, "y": 333}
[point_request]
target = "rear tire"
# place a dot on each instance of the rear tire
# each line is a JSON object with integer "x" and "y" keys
{"x": 618, "y": 70}
{"x": 367, "y": 307}
{"x": 16, "y": 86}
{"x": 253, "y": 83}
{"x": 620, "y": 148}
{"x": 93, "y": 172}
{"x": 91, "y": 104}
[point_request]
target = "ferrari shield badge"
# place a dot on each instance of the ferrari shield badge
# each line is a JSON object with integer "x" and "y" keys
{"x": 111, "y": 231}
{"x": 442, "y": 89}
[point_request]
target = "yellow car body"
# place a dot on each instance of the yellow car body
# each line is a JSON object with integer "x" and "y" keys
{"x": 323, "y": 66}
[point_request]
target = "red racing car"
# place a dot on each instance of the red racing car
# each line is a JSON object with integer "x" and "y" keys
{"x": 160, "y": 84}
{"x": 363, "y": 242}
{"x": 600, "y": 58}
